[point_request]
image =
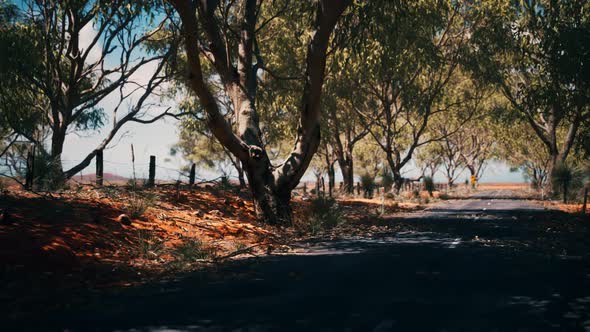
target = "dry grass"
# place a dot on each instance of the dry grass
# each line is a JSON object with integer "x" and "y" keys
{"x": 504, "y": 186}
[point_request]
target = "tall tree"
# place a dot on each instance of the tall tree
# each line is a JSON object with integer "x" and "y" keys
{"x": 538, "y": 53}
{"x": 409, "y": 70}
{"x": 344, "y": 128}
{"x": 20, "y": 109}
{"x": 88, "y": 51}
{"x": 233, "y": 57}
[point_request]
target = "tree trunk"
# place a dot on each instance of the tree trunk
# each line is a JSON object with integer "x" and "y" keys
{"x": 55, "y": 176}
{"x": 271, "y": 188}
{"x": 271, "y": 204}
{"x": 347, "y": 169}
{"x": 398, "y": 180}
{"x": 585, "y": 201}
{"x": 331, "y": 179}
{"x": 552, "y": 164}
{"x": 240, "y": 173}
{"x": 450, "y": 182}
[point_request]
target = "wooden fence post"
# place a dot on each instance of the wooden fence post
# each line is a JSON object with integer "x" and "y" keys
{"x": 585, "y": 200}
{"x": 152, "y": 177}
{"x": 317, "y": 186}
{"x": 191, "y": 176}
{"x": 30, "y": 175}
{"x": 99, "y": 168}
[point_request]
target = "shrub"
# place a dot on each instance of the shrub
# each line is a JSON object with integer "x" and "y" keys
{"x": 444, "y": 196}
{"x": 428, "y": 184}
{"x": 134, "y": 184}
{"x": 139, "y": 204}
{"x": 416, "y": 193}
{"x": 368, "y": 185}
{"x": 149, "y": 246}
{"x": 561, "y": 177}
{"x": 387, "y": 179}
{"x": 48, "y": 175}
{"x": 324, "y": 214}
{"x": 193, "y": 249}
{"x": 224, "y": 182}
{"x": 239, "y": 246}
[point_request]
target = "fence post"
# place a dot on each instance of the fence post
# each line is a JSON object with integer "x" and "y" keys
{"x": 30, "y": 171}
{"x": 152, "y": 178}
{"x": 585, "y": 200}
{"x": 99, "y": 168}
{"x": 191, "y": 176}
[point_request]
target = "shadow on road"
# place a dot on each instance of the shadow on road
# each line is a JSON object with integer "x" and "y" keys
{"x": 531, "y": 273}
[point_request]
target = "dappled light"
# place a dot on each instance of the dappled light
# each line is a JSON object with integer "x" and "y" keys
{"x": 326, "y": 165}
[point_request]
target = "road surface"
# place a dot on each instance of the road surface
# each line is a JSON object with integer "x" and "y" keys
{"x": 465, "y": 265}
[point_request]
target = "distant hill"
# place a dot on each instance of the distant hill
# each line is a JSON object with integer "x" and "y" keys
{"x": 109, "y": 177}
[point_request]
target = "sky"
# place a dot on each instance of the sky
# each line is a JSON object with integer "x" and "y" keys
{"x": 157, "y": 139}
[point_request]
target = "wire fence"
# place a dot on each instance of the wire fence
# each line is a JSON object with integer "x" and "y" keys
{"x": 117, "y": 171}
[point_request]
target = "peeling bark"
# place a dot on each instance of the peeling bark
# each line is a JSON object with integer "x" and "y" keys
{"x": 270, "y": 186}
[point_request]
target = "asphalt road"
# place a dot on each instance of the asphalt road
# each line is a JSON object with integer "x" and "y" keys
{"x": 491, "y": 203}
{"x": 465, "y": 265}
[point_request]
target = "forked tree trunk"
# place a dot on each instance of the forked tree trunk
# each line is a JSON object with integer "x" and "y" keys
{"x": 271, "y": 187}
{"x": 398, "y": 180}
{"x": 271, "y": 203}
{"x": 450, "y": 182}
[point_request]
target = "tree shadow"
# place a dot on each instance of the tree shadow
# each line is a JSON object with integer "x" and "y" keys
{"x": 435, "y": 275}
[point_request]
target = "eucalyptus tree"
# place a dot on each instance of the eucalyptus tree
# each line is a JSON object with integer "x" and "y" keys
{"x": 237, "y": 58}
{"x": 412, "y": 53}
{"x": 344, "y": 127}
{"x": 89, "y": 52}
{"x": 20, "y": 110}
{"x": 429, "y": 158}
{"x": 522, "y": 149}
{"x": 538, "y": 52}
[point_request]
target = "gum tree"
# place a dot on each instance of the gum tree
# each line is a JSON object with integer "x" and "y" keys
{"x": 230, "y": 44}
{"x": 88, "y": 52}
{"x": 409, "y": 70}
{"x": 537, "y": 53}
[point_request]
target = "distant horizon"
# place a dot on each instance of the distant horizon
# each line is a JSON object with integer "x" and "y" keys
{"x": 309, "y": 177}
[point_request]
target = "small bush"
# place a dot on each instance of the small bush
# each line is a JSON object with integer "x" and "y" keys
{"x": 561, "y": 178}
{"x": 110, "y": 192}
{"x": 224, "y": 182}
{"x": 416, "y": 193}
{"x": 48, "y": 174}
{"x": 149, "y": 246}
{"x": 139, "y": 204}
{"x": 428, "y": 184}
{"x": 368, "y": 185}
{"x": 192, "y": 250}
{"x": 444, "y": 196}
{"x": 239, "y": 246}
{"x": 134, "y": 184}
{"x": 324, "y": 214}
{"x": 387, "y": 179}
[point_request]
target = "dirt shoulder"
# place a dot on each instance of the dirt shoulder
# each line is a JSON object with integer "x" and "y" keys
{"x": 117, "y": 237}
